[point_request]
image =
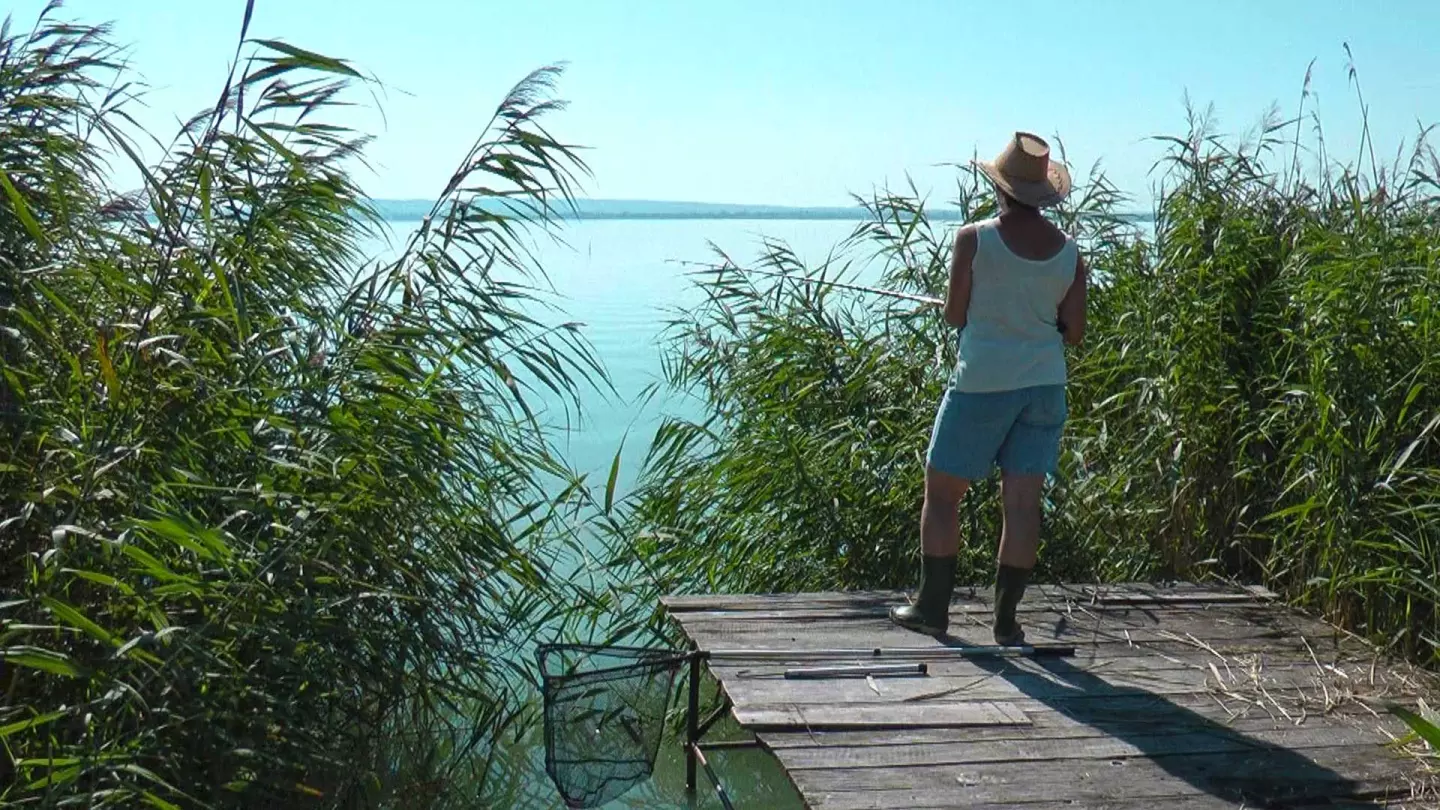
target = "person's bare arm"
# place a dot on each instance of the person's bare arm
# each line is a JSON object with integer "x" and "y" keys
{"x": 1071, "y": 316}
{"x": 957, "y": 292}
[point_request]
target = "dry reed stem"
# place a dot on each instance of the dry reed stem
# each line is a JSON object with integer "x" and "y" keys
{"x": 1246, "y": 683}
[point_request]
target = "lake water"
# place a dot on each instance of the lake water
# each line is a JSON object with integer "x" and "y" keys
{"x": 624, "y": 279}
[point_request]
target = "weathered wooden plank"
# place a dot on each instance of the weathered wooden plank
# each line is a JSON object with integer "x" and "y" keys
{"x": 1100, "y": 594}
{"x": 1238, "y": 629}
{"x": 1032, "y": 614}
{"x": 1327, "y": 650}
{"x": 970, "y": 611}
{"x": 1145, "y": 592}
{"x": 1167, "y": 651}
{"x": 961, "y": 606}
{"x": 1141, "y": 711}
{"x": 1056, "y": 752}
{"x": 1362, "y": 665}
{"x": 989, "y": 686}
{"x": 676, "y": 603}
{"x": 1261, "y": 668}
{"x": 1259, "y": 776}
{"x": 1000, "y": 665}
{"x": 1139, "y": 718}
{"x": 961, "y": 609}
{"x": 813, "y": 716}
{"x": 1235, "y": 651}
{"x": 1191, "y": 802}
{"x": 1086, "y": 662}
{"x": 827, "y": 633}
{"x": 1230, "y": 640}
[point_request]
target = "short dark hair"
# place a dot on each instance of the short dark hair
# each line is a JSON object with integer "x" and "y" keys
{"x": 1014, "y": 203}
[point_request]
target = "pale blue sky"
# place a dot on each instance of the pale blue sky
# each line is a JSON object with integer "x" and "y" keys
{"x": 804, "y": 101}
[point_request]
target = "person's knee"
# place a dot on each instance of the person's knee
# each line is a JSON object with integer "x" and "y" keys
{"x": 1021, "y": 493}
{"x": 943, "y": 490}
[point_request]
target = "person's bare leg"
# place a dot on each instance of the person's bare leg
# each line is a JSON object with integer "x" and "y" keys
{"x": 1020, "y": 533}
{"x": 939, "y": 546}
{"x": 1019, "y": 546}
{"x": 940, "y": 515}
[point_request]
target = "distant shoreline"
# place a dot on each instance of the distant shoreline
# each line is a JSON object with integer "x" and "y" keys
{"x": 596, "y": 210}
{"x": 860, "y": 216}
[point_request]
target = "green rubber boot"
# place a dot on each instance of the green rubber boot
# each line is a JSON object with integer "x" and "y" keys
{"x": 931, "y": 612}
{"x": 1009, "y": 589}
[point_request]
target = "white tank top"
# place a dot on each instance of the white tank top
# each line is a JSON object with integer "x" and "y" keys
{"x": 1010, "y": 339}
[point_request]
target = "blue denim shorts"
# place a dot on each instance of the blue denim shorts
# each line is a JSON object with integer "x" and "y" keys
{"x": 1017, "y": 430}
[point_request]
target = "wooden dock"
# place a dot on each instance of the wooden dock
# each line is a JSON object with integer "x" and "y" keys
{"x": 1178, "y": 697}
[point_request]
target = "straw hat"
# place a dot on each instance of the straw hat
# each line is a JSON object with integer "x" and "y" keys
{"x": 1026, "y": 172}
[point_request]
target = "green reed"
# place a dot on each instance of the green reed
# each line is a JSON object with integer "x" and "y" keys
{"x": 270, "y": 509}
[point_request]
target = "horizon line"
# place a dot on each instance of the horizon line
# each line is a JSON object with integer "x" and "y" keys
{"x": 689, "y": 209}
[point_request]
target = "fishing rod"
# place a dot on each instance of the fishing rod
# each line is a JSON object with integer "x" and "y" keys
{"x": 921, "y": 299}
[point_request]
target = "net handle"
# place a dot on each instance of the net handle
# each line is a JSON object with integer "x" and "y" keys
{"x": 665, "y": 659}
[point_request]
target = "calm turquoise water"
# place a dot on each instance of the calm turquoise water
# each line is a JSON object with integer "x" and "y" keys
{"x": 624, "y": 279}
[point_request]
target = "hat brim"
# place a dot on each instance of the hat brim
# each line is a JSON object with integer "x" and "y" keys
{"x": 1043, "y": 194}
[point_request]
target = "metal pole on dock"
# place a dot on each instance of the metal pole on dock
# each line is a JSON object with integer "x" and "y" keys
{"x": 692, "y": 723}
{"x": 859, "y": 671}
{"x": 974, "y": 651}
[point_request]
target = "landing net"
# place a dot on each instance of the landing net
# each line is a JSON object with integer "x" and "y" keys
{"x": 604, "y": 716}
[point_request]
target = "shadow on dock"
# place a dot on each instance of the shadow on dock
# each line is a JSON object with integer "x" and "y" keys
{"x": 1239, "y": 769}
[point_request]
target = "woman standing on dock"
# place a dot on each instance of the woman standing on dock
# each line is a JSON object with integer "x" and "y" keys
{"x": 1017, "y": 296}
